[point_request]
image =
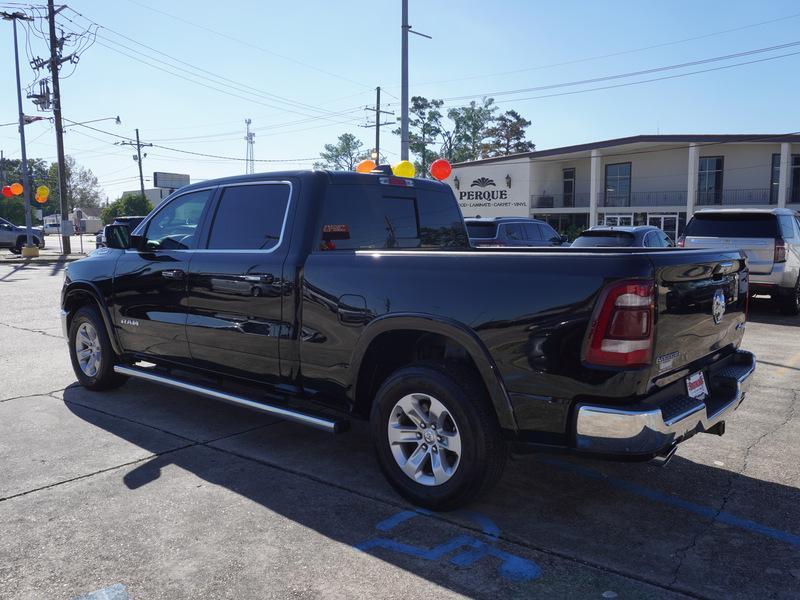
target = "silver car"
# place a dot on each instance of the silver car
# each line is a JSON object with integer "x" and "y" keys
{"x": 769, "y": 236}
{"x": 14, "y": 238}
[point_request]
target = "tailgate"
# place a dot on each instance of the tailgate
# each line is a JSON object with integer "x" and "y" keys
{"x": 702, "y": 298}
{"x": 760, "y": 251}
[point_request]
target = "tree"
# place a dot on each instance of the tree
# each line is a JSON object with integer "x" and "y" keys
{"x": 508, "y": 135}
{"x": 130, "y": 205}
{"x": 471, "y": 122}
{"x": 425, "y": 128}
{"x": 344, "y": 155}
{"x": 13, "y": 209}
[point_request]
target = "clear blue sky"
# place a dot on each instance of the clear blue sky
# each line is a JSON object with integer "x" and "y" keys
{"x": 329, "y": 56}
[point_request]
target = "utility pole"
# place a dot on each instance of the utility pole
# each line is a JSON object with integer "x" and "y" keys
{"x": 404, "y": 86}
{"x": 250, "y": 159}
{"x": 55, "y": 63}
{"x": 138, "y": 158}
{"x": 29, "y": 249}
{"x": 406, "y": 29}
{"x": 378, "y": 112}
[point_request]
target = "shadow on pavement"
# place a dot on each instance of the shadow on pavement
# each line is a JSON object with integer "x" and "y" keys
{"x": 690, "y": 526}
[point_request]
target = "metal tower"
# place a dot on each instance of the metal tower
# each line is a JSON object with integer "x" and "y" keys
{"x": 250, "y": 166}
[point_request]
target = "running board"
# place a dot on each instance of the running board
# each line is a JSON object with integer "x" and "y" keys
{"x": 318, "y": 422}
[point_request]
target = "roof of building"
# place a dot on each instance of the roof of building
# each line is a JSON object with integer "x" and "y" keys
{"x": 739, "y": 138}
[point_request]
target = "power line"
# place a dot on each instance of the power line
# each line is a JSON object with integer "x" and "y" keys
{"x": 615, "y": 54}
{"x": 632, "y": 73}
{"x": 238, "y": 40}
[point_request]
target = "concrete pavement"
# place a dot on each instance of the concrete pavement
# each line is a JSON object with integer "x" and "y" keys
{"x": 151, "y": 493}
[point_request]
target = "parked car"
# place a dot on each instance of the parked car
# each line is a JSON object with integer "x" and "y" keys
{"x": 511, "y": 231}
{"x": 640, "y": 236}
{"x": 130, "y": 222}
{"x": 53, "y": 228}
{"x": 322, "y": 297}
{"x": 769, "y": 236}
{"x": 14, "y": 238}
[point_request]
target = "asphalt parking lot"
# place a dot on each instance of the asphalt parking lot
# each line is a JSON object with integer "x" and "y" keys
{"x": 145, "y": 492}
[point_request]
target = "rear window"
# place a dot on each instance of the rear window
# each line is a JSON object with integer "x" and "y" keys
{"x": 249, "y": 217}
{"x": 603, "y": 238}
{"x": 733, "y": 225}
{"x": 371, "y": 217}
{"x": 482, "y": 230}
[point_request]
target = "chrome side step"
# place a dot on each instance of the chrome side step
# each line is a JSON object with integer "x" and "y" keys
{"x": 318, "y": 422}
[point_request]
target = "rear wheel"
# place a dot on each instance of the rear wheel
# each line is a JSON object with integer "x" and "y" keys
{"x": 17, "y": 248}
{"x": 790, "y": 302}
{"x": 436, "y": 437}
{"x": 90, "y": 349}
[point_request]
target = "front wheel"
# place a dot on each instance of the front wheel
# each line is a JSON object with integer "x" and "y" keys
{"x": 90, "y": 349}
{"x": 436, "y": 435}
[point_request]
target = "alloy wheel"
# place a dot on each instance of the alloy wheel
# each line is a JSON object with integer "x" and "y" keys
{"x": 88, "y": 349}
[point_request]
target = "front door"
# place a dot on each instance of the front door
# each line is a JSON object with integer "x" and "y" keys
{"x": 236, "y": 285}
{"x": 150, "y": 281}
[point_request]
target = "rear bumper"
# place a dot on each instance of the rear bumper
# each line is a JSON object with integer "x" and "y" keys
{"x": 652, "y": 430}
{"x": 783, "y": 275}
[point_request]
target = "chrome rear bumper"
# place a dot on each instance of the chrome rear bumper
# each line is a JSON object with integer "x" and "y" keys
{"x": 651, "y": 430}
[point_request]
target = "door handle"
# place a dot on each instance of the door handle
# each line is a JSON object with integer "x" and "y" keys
{"x": 173, "y": 274}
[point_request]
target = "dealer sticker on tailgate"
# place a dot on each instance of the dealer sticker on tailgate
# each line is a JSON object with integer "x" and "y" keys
{"x": 696, "y": 386}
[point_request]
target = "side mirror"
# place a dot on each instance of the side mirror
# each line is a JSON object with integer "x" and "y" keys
{"x": 118, "y": 236}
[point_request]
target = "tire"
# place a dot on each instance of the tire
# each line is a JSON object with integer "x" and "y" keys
{"x": 466, "y": 421}
{"x": 17, "y": 248}
{"x": 789, "y": 303}
{"x": 94, "y": 368}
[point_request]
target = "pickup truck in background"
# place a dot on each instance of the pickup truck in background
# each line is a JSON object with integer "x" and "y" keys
{"x": 323, "y": 297}
{"x": 770, "y": 237}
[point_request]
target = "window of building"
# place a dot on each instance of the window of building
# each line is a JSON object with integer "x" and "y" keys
{"x": 174, "y": 227}
{"x": 373, "y": 217}
{"x": 709, "y": 184}
{"x": 569, "y": 187}
{"x": 249, "y": 217}
{"x": 618, "y": 184}
{"x": 793, "y": 181}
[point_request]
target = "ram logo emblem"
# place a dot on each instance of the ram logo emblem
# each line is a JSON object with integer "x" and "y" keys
{"x": 131, "y": 322}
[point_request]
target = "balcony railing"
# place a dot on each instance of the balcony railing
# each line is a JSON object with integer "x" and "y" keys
{"x": 758, "y": 196}
{"x": 560, "y": 201}
{"x": 668, "y": 198}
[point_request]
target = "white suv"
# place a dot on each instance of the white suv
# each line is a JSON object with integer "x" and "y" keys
{"x": 769, "y": 236}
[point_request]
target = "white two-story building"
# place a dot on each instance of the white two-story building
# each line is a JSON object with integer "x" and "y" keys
{"x": 645, "y": 179}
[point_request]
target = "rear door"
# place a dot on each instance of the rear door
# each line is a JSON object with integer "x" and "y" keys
{"x": 752, "y": 232}
{"x": 236, "y": 285}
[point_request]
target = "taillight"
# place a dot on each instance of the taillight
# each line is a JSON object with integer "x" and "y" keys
{"x": 621, "y": 329}
{"x": 681, "y": 242}
{"x": 780, "y": 250}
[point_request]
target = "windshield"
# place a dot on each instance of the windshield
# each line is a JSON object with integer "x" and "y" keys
{"x": 733, "y": 225}
{"x": 481, "y": 230}
{"x": 603, "y": 238}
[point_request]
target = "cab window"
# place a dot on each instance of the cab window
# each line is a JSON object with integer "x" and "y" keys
{"x": 174, "y": 227}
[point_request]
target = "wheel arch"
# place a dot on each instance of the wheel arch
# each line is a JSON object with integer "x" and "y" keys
{"x": 83, "y": 293}
{"x": 367, "y": 374}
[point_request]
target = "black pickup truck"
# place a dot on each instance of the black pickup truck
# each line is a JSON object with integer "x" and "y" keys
{"x": 324, "y": 297}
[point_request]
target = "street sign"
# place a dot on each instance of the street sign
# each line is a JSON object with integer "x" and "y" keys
{"x": 170, "y": 181}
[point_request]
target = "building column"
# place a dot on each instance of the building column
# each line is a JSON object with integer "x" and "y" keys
{"x": 691, "y": 181}
{"x": 595, "y": 186}
{"x": 783, "y": 179}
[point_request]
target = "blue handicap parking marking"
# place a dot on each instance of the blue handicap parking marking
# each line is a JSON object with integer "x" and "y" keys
{"x": 471, "y": 548}
{"x": 112, "y": 592}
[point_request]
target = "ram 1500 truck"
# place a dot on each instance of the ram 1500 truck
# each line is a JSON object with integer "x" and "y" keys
{"x": 323, "y": 297}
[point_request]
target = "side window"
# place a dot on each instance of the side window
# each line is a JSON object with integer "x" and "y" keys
{"x": 532, "y": 232}
{"x": 787, "y": 230}
{"x": 666, "y": 241}
{"x": 514, "y": 231}
{"x": 549, "y": 234}
{"x": 249, "y": 217}
{"x": 650, "y": 240}
{"x": 174, "y": 227}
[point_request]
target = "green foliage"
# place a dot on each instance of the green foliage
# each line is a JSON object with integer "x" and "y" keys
{"x": 508, "y": 135}
{"x": 425, "y": 128}
{"x": 128, "y": 206}
{"x": 471, "y": 124}
{"x": 344, "y": 155}
{"x": 572, "y": 232}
